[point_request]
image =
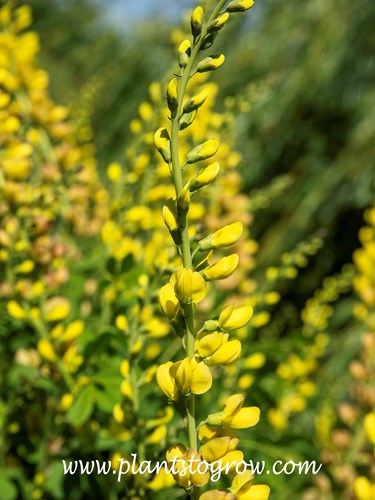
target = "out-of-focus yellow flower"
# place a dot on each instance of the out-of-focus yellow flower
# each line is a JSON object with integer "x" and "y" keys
{"x": 369, "y": 425}
{"x": 57, "y": 309}
{"x": 46, "y": 350}
{"x": 363, "y": 489}
{"x": 15, "y": 310}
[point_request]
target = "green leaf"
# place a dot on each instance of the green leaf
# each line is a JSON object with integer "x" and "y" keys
{"x": 82, "y": 407}
{"x": 7, "y": 488}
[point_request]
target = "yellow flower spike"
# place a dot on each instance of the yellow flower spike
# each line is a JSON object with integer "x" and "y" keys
{"x": 46, "y": 350}
{"x": 196, "y": 21}
{"x": 237, "y": 318}
{"x": 170, "y": 216}
{"x": 183, "y": 200}
{"x": 184, "y": 51}
{"x": 203, "y": 151}
{"x": 184, "y": 376}
{"x": 211, "y": 63}
{"x": 169, "y": 302}
{"x": 222, "y": 269}
{"x": 227, "y": 353}
{"x": 369, "y": 425}
{"x": 207, "y": 344}
{"x": 239, "y": 5}
{"x": 196, "y": 101}
{"x": 201, "y": 380}
{"x": 15, "y": 310}
{"x": 205, "y": 176}
{"x": 166, "y": 382}
{"x": 224, "y": 237}
{"x": 162, "y": 143}
{"x": 172, "y": 95}
{"x": 219, "y": 22}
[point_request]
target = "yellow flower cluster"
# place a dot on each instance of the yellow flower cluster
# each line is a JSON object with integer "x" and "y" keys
{"x": 210, "y": 345}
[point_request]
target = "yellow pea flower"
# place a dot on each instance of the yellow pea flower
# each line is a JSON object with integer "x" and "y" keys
{"x": 15, "y": 310}
{"x": 223, "y": 268}
{"x": 189, "y": 286}
{"x": 166, "y": 382}
{"x": 114, "y": 172}
{"x": 217, "y": 495}
{"x": 363, "y": 489}
{"x": 233, "y": 319}
{"x": 227, "y": 353}
{"x": 223, "y": 449}
{"x": 203, "y": 151}
{"x": 46, "y": 350}
{"x": 243, "y": 489}
{"x": 219, "y": 22}
{"x": 186, "y": 476}
{"x": 169, "y": 302}
{"x": 57, "y": 309}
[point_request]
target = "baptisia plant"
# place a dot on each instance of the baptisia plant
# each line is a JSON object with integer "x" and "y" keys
{"x": 201, "y": 261}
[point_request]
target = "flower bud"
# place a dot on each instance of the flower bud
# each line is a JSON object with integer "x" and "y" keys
{"x": 218, "y": 23}
{"x": 183, "y": 200}
{"x": 205, "y": 176}
{"x": 169, "y": 302}
{"x": 184, "y": 51}
{"x": 187, "y": 119}
{"x": 162, "y": 143}
{"x": 196, "y": 21}
{"x": 222, "y": 269}
{"x": 211, "y": 63}
{"x": 224, "y": 237}
{"x": 196, "y": 101}
{"x": 203, "y": 151}
{"x": 239, "y": 5}
{"x": 172, "y": 95}
{"x": 189, "y": 286}
{"x": 170, "y": 216}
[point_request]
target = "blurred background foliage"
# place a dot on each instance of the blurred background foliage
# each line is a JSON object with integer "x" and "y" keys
{"x": 300, "y": 82}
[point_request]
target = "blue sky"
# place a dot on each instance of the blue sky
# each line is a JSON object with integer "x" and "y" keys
{"x": 126, "y": 12}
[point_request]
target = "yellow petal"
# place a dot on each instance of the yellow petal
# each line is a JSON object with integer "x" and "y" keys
{"x": 238, "y": 318}
{"x": 226, "y": 354}
{"x": 256, "y": 492}
{"x": 223, "y": 268}
{"x": 215, "y": 448}
{"x": 199, "y": 287}
{"x": 244, "y": 418}
{"x": 184, "y": 376}
{"x": 201, "y": 380}
{"x": 208, "y": 344}
{"x": 165, "y": 381}
{"x": 233, "y": 404}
